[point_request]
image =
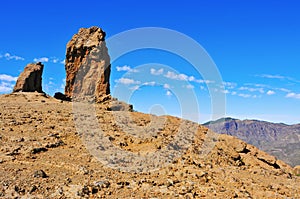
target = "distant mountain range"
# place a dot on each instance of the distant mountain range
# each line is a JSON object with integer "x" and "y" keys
{"x": 278, "y": 139}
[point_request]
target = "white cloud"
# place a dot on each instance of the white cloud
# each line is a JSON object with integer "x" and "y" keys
{"x": 167, "y": 86}
{"x": 293, "y": 95}
{"x": 192, "y": 78}
{"x": 168, "y": 93}
{"x": 201, "y": 81}
{"x": 270, "y": 92}
{"x": 244, "y": 95}
{"x": 190, "y": 86}
{"x": 261, "y": 90}
{"x": 257, "y": 85}
{"x": 280, "y": 77}
{"x": 126, "y": 68}
{"x": 156, "y": 72}
{"x": 8, "y": 78}
{"x": 6, "y": 87}
{"x": 127, "y": 81}
{"x": 134, "y": 88}
{"x": 284, "y": 90}
{"x": 229, "y": 85}
{"x": 7, "y": 83}
{"x": 172, "y": 75}
{"x": 62, "y": 86}
{"x": 180, "y": 76}
{"x": 272, "y": 76}
{"x": 225, "y": 91}
{"x": 8, "y": 56}
{"x": 262, "y": 86}
{"x": 41, "y": 59}
{"x": 234, "y": 93}
{"x": 202, "y": 88}
{"x": 123, "y": 68}
{"x": 55, "y": 60}
{"x": 149, "y": 84}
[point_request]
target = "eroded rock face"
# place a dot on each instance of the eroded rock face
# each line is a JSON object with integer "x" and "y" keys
{"x": 87, "y": 65}
{"x": 30, "y": 80}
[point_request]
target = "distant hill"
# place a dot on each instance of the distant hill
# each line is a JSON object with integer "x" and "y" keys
{"x": 278, "y": 139}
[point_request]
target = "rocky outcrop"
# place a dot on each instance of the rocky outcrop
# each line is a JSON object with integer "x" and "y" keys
{"x": 30, "y": 80}
{"x": 87, "y": 65}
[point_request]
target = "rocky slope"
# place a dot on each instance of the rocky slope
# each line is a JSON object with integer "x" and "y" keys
{"x": 280, "y": 140}
{"x": 43, "y": 155}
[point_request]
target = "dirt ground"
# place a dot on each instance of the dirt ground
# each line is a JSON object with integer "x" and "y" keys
{"x": 51, "y": 149}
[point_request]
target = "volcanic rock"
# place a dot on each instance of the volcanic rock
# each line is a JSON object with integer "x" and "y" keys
{"x": 61, "y": 96}
{"x": 30, "y": 80}
{"x": 87, "y": 65}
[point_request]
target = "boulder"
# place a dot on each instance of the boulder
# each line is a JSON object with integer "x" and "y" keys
{"x": 30, "y": 80}
{"x": 116, "y": 105}
{"x": 87, "y": 65}
{"x": 297, "y": 170}
{"x": 61, "y": 96}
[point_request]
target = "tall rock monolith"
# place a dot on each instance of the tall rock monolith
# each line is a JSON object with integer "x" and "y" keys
{"x": 87, "y": 65}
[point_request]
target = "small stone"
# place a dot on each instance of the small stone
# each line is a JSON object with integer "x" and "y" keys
{"x": 19, "y": 189}
{"x": 60, "y": 190}
{"x": 61, "y": 96}
{"x": 56, "y": 144}
{"x": 85, "y": 190}
{"x": 102, "y": 184}
{"x": 84, "y": 170}
{"x": 40, "y": 174}
{"x": 38, "y": 150}
{"x": 33, "y": 189}
{"x": 169, "y": 182}
{"x": 188, "y": 196}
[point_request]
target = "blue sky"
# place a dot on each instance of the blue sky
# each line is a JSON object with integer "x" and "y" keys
{"x": 254, "y": 44}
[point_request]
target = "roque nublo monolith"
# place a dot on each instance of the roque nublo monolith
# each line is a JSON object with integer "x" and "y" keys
{"x": 87, "y": 65}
